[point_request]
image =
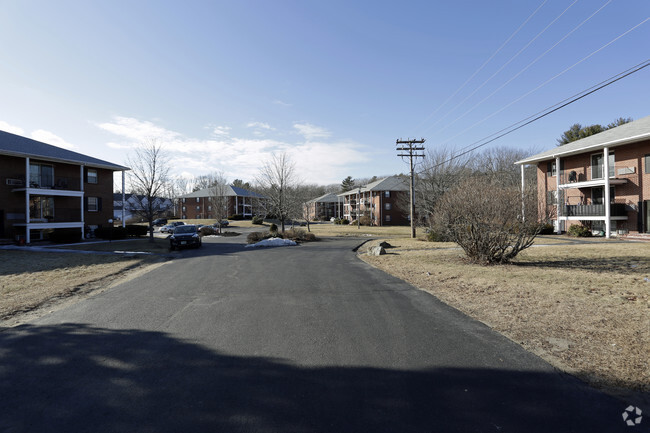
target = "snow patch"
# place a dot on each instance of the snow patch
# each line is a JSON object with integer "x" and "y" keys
{"x": 273, "y": 242}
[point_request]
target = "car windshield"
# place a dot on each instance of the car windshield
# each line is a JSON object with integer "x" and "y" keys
{"x": 185, "y": 229}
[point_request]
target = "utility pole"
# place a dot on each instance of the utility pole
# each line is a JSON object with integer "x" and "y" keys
{"x": 410, "y": 149}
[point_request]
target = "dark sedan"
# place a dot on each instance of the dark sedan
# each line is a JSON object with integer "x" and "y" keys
{"x": 184, "y": 236}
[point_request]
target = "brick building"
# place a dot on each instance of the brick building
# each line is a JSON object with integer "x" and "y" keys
{"x": 381, "y": 201}
{"x": 44, "y": 187}
{"x": 240, "y": 201}
{"x": 324, "y": 207}
{"x": 580, "y": 192}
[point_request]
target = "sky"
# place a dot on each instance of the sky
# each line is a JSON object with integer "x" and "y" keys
{"x": 223, "y": 85}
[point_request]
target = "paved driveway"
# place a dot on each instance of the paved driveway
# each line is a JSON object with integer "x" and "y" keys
{"x": 292, "y": 339}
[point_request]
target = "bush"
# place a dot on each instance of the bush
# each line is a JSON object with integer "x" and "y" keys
{"x": 547, "y": 229}
{"x": 365, "y": 221}
{"x": 258, "y": 219}
{"x": 108, "y": 233}
{"x": 437, "y": 235}
{"x": 273, "y": 228}
{"x": 352, "y": 223}
{"x": 579, "y": 231}
{"x": 207, "y": 231}
{"x": 137, "y": 230}
{"x": 64, "y": 236}
{"x": 255, "y": 237}
{"x": 236, "y": 217}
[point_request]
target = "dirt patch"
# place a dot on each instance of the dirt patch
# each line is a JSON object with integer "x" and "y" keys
{"x": 583, "y": 308}
{"x": 33, "y": 283}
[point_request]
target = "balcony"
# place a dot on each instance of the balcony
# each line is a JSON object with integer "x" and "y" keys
{"x": 593, "y": 210}
{"x": 17, "y": 183}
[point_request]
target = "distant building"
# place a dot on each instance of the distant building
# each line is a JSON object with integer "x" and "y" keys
{"x": 324, "y": 207}
{"x": 135, "y": 203}
{"x": 197, "y": 205}
{"x": 379, "y": 200}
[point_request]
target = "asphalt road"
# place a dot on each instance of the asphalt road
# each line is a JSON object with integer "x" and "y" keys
{"x": 290, "y": 339}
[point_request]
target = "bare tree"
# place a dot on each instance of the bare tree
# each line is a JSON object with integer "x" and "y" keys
{"x": 148, "y": 180}
{"x": 218, "y": 196}
{"x": 276, "y": 180}
{"x": 486, "y": 218}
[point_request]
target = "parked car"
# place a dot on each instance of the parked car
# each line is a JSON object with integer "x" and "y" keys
{"x": 169, "y": 228}
{"x": 159, "y": 222}
{"x": 184, "y": 236}
{"x": 222, "y": 223}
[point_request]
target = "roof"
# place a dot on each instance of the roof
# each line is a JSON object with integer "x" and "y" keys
{"x": 231, "y": 191}
{"x": 16, "y": 145}
{"x": 326, "y": 198}
{"x": 390, "y": 183}
{"x": 638, "y": 130}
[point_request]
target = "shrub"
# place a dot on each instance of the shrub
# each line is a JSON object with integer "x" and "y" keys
{"x": 273, "y": 228}
{"x": 365, "y": 221}
{"x": 255, "y": 237}
{"x": 258, "y": 219}
{"x": 484, "y": 218}
{"x": 207, "y": 231}
{"x": 65, "y": 235}
{"x": 352, "y": 223}
{"x": 437, "y": 235}
{"x": 299, "y": 235}
{"x": 579, "y": 231}
{"x": 108, "y": 233}
{"x": 236, "y": 217}
{"x": 344, "y": 221}
{"x": 136, "y": 230}
{"x": 547, "y": 229}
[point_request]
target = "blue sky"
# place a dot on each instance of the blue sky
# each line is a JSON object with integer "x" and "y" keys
{"x": 223, "y": 84}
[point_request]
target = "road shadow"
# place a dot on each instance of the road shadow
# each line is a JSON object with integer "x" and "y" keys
{"x": 74, "y": 378}
{"x": 626, "y": 264}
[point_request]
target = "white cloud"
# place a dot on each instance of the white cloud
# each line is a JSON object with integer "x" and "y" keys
{"x": 221, "y": 130}
{"x": 323, "y": 161}
{"x": 310, "y": 131}
{"x": 51, "y": 138}
{"x": 4, "y": 126}
{"x": 260, "y": 125}
{"x": 282, "y": 103}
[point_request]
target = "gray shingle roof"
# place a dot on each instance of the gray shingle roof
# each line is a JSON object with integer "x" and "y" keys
{"x": 632, "y": 132}
{"x": 16, "y": 145}
{"x": 231, "y": 191}
{"x": 390, "y": 183}
{"x": 327, "y": 198}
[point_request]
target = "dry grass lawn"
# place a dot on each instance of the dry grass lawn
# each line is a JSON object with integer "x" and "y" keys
{"x": 29, "y": 280}
{"x": 585, "y": 308}
{"x": 159, "y": 246}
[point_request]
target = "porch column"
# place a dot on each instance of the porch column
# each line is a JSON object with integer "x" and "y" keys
{"x": 81, "y": 188}
{"x": 608, "y": 210}
{"x": 523, "y": 186}
{"x": 557, "y": 193}
{"x": 123, "y": 200}
{"x": 27, "y": 185}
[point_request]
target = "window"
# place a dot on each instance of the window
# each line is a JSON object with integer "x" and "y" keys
{"x": 387, "y": 206}
{"x": 41, "y": 176}
{"x": 387, "y": 218}
{"x": 198, "y": 208}
{"x": 551, "y": 197}
{"x": 183, "y": 207}
{"x": 93, "y": 204}
{"x": 550, "y": 168}
{"x": 647, "y": 164}
{"x": 197, "y": 199}
{"x": 598, "y": 195}
{"x": 91, "y": 176}
{"x": 41, "y": 208}
{"x": 183, "y": 200}
{"x": 598, "y": 167}
{"x": 209, "y": 207}
{"x": 387, "y": 194}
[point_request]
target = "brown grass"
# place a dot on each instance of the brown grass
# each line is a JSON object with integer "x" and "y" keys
{"x": 29, "y": 280}
{"x": 160, "y": 245}
{"x": 582, "y": 307}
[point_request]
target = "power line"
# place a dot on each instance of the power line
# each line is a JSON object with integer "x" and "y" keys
{"x": 533, "y": 62}
{"x": 502, "y": 67}
{"x": 527, "y": 121}
{"x": 411, "y": 152}
{"x": 550, "y": 79}
{"x": 483, "y": 65}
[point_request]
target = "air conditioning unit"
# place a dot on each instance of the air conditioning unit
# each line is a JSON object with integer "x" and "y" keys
{"x": 15, "y": 182}
{"x": 626, "y": 170}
